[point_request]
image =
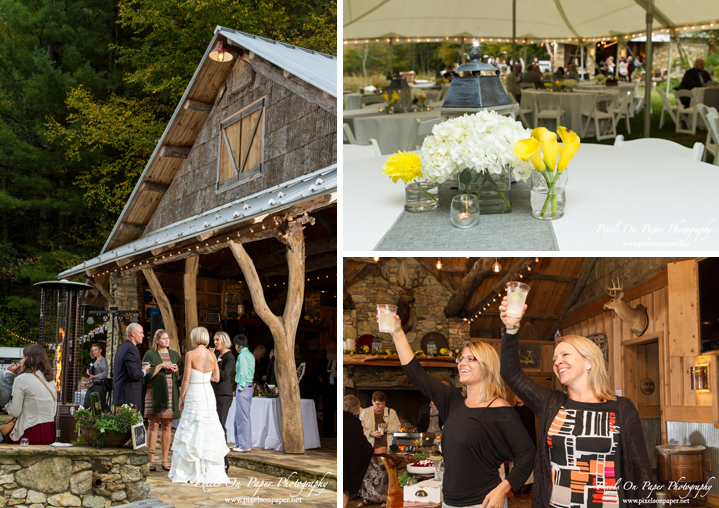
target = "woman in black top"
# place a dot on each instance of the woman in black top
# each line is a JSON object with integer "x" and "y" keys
{"x": 97, "y": 377}
{"x": 223, "y": 388}
{"x": 481, "y": 429}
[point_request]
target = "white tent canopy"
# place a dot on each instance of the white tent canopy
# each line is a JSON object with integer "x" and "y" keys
{"x": 420, "y": 20}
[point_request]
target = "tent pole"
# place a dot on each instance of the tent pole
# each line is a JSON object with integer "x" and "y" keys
{"x": 514, "y": 36}
{"x": 648, "y": 72}
{"x": 461, "y": 53}
{"x": 669, "y": 64}
{"x": 391, "y": 56}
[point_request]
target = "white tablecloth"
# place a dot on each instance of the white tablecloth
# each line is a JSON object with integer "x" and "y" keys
{"x": 618, "y": 199}
{"x": 390, "y": 130}
{"x": 267, "y": 423}
{"x": 707, "y": 96}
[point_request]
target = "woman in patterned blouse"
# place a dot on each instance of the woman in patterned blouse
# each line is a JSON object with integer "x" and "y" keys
{"x": 591, "y": 451}
{"x": 162, "y": 384}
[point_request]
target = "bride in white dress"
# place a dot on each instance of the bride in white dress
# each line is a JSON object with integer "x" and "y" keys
{"x": 197, "y": 453}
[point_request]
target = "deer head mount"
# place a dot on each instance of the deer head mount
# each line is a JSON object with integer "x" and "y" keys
{"x": 406, "y": 284}
{"x": 636, "y": 318}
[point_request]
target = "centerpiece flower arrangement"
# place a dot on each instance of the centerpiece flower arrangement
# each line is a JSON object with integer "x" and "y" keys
{"x": 569, "y": 84}
{"x": 110, "y": 428}
{"x": 420, "y": 195}
{"x": 366, "y": 350}
{"x": 390, "y": 99}
{"x": 549, "y": 178}
{"x": 477, "y": 150}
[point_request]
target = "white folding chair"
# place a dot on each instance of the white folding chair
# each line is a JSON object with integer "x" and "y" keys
{"x": 525, "y": 108}
{"x": 358, "y": 152}
{"x": 419, "y": 131}
{"x": 689, "y": 114}
{"x": 711, "y": 145}
{"x": 662, "y": 146}
{"x": 713, "y": 125}
{"x": 624, "y": 104}
{"x": 347, "y": 134}
{"x": 601, "y": 110}
{"x": 547, "y": 107}
{"x": 666, "y": 107}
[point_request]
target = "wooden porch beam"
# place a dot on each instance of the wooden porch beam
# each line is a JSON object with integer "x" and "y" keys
{"x": 197, "y": 106}
{"x": 470, "y": 283}
{"x": 154, "y": 187}
{"x": 168, "y": 318}
{"x": 132, "y": 228}
{"x": 192, "y": 265}
{"x": 175, "y": 152}
{"x": 102, "y": 284}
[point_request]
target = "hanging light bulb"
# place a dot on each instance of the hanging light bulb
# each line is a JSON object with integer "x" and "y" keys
{"x": 496, "y": 267}
{"x": 439, "y": 264}
{"x": 376, "y": 258}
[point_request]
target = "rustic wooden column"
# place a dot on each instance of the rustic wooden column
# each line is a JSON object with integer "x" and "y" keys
{"x": 283, "y": 329}
{"x": 190, "y": 289}
{"x": 168, "y": 319}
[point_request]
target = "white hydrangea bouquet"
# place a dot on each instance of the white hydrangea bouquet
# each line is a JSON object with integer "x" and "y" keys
{"x": 478, "y": 149}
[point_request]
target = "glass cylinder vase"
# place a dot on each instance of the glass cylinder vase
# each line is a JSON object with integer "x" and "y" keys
{"x": 421, "y": 196}
{"x": 493, "y": 190}
{"x": 548, "y": 194}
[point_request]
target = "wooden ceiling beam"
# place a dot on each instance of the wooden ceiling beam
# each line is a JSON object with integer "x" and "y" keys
{"x": 197, "y": 106}
{"x": 555, "y": 278}
{"x": 512, "y": 274}
{"x": 576, "y": 291}
{"x": 446, "y": 280}
{"x": 470, "y": 283}
{"x": 154, "y": 187}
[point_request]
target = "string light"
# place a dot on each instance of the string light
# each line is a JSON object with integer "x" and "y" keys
{"x": 15, "y": 335}
{"x": 439, "y": 264}
{"x": 496, "y": 267}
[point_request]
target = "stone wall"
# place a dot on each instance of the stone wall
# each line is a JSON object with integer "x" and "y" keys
{"x": 128, "y": 292}
{"x": 428, "y": 313}
{"x": 41, "y": 476}
{"x": 299, "y": 138}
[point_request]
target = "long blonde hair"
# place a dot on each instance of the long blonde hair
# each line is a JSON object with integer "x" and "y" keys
{"x": 156, "y": 338}
{"x": 597, "y": 375}
{"x": 491, "y": 385}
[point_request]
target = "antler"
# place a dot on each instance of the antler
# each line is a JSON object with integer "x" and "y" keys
{"x": 416, "y": 281}
{"x": 615, "y": 289}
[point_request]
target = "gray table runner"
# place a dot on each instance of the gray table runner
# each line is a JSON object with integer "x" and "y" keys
{"x": 508, "y": 231}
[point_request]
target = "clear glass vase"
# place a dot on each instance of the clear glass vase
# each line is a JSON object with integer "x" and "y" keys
{"x": 548, "y": 194}
{"x": 494, "y": 191}
{"x": 421, "y": 196}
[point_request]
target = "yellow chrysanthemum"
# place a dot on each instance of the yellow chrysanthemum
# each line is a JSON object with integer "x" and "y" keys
{"x": 403, "y": 165}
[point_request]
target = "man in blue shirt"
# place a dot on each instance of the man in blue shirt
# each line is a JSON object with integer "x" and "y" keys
{"x": 244, "y": 373}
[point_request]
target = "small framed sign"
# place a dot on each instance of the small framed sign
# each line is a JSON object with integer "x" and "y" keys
{"x": 212, "y": 318}
{"x": 139, "y": 436}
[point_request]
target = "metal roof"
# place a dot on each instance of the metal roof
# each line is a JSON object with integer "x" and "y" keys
{"x": 317, "y": 69}
{"x": 274, "y": 199}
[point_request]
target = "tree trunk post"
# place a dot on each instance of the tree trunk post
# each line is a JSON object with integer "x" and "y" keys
{"x": 168, "y": 319}
{"x": 190, "y": 289}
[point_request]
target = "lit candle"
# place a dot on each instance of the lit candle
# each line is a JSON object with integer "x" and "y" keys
{"x": 464, "y": 218}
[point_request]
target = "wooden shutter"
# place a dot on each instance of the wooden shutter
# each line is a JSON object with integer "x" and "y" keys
{"x": 241, "y": 138}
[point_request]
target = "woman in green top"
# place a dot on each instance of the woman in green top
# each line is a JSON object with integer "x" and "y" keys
{"x": 162, "y": 386}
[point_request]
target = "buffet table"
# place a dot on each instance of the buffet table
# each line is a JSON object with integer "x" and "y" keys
{"x": 618, "y": 199}
{"x": 266, "y": 420}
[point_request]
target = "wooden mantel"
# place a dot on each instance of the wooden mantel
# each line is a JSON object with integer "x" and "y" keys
{"x": 393, "y": 361}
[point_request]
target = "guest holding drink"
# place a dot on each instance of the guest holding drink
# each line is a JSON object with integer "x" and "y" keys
{"x": 580, "y": 428}
{"x": 162, "y": 394}
{"x": 223, "y": 387}
{"x": 97, "y": 374}
{"x": 481, "y": 429}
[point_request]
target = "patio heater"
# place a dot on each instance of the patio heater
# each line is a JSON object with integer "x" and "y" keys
{"x": 477, "y": 91}
{"x": 401, "y": 87}
{"x": 60, "y": 330}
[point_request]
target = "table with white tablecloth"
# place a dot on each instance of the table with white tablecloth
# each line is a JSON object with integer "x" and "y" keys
{"x": 266, "y": 420}
{"x": 709, "y": 96}
{"x": 618, "y": 199}
{"x": 391, "y": 130}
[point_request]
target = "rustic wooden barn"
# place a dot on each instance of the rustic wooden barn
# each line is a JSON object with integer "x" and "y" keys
{"x": 237, "y": 205}
{"x": 459, "y": 301}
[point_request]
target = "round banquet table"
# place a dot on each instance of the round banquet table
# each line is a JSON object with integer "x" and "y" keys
{"x": 390, "y": 130}
{"x": 618, "y": 199}
{"x": 266, "y": 420}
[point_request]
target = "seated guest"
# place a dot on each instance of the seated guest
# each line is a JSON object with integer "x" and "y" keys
{"x": 696, "y": 77}
{"x": 428, "y": 418}
{"x": 357, "y": 450}
{"x": 572, "y": 73}
{"x": 559, "y": 74}
{"x": 33, "y": 399}
{"x": 532, "y": 75}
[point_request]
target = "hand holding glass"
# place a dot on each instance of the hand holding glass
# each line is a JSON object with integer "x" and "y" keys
{"x": 516, "y": 296}
{"x": 385, "y": 317}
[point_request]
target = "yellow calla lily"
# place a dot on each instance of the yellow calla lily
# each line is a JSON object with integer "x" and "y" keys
{"x": 530, "y": 149}
{"x": 384, "y": 96}
{"x": 570, "y": 145}
{"x": 549, "y": 145}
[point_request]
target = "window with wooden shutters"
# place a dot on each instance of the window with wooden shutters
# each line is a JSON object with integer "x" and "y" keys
{"x": 241, "y": 137}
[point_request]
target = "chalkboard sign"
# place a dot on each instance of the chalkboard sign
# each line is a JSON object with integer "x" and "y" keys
{"x": 212, "y": 318}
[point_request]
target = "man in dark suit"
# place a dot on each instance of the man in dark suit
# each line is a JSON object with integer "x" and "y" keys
{"x": 128, "y": 370}
{"x": 696, "y": 77}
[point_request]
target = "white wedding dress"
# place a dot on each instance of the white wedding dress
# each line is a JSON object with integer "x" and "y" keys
{"x": 199, "y": 448}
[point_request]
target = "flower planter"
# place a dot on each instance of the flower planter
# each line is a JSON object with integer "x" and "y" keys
{"x": 112, "y": 439}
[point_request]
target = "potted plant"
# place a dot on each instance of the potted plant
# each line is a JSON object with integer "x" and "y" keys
{"x": 108, "y": 429}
